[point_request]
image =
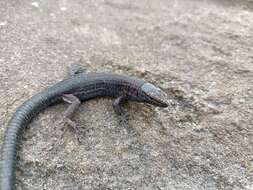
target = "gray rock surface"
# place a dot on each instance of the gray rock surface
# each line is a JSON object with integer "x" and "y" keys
{"x": 199, "y": 52}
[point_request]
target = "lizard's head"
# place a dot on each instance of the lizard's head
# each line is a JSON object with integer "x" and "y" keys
{"x": 154, "y": 95}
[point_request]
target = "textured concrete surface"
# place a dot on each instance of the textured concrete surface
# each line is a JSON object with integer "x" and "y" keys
{"x": 199, "y": 52}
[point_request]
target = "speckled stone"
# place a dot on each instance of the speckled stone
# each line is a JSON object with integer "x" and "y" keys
{"x": 199, "y": 52}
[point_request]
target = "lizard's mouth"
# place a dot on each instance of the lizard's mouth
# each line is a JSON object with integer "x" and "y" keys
{"x": 156, "y": 96}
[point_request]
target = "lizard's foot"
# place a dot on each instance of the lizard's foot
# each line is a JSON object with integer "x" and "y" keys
{"x": 124, "y": 119}
{"x": 74, "y": 69}
{"x": 75, "y": 127}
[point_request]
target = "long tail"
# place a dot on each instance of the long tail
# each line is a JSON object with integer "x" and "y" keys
{"x": 19, "y": 120}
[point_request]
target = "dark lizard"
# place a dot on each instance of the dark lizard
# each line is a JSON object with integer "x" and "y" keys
{"x": 75, "y": 89}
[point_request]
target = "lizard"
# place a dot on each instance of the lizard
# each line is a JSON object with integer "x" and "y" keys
{"x": 78, "y": 87}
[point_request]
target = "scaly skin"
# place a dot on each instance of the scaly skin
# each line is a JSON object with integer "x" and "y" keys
{"x": 84, "y": 87}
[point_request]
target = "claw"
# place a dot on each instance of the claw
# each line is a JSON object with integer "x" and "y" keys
{"x": 74, "y": 69}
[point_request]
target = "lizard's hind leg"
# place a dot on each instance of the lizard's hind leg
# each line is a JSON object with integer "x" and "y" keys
{"x": 70, "y": 111}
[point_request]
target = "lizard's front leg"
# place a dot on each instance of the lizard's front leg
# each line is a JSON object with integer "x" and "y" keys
{"x": 117, "y": 106}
